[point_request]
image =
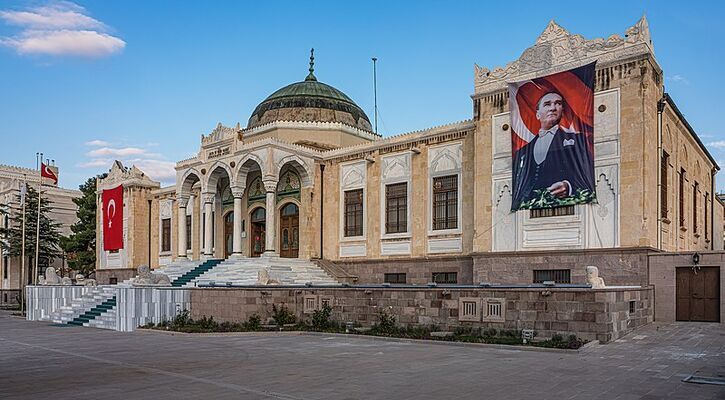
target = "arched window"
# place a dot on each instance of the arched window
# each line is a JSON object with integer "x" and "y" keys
{"x": 256, "y": 191}
{"x": 288, "y": 185}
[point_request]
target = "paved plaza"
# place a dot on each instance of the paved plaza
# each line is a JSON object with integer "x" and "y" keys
{"x": 44, "y": 361}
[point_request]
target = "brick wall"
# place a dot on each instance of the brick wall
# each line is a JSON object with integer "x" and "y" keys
{"x": 591, "y": 314}
{"x": 418, "y": 271}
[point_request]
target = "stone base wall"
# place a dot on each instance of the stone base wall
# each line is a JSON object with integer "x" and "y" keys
{"x": 618, "y": 266}
{"x": 8, "y": 297}
{"x": 603, "y": 315}
{"x": 418, "y": 271}
{"x": 103, "y": 276}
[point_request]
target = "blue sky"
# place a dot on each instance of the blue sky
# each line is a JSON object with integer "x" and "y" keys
{"x": 89, "y": 81}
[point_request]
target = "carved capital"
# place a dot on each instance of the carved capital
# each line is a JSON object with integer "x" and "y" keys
{"x": 237, "y": 191}
{"x": 270, "y": 185}
{"x": 182, "y": 201}
{"x": 208, "y": 197}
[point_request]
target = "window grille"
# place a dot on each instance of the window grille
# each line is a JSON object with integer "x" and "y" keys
{"x": 682, "y": 197}
{"x": 354, "y": 212}
{"x": 166, "y": 234}
{"x": 552, "y": 212}
{"x": 396, "y": 208}
{"x": 188, "y": 232}
{"x": 445, "y": 202}
{"x": 445, "y": 277}
{"x": 395, "y": 278}
{"x": 695, "y": 189}
{"x": 663, "y": 187}
{"x": 556, "y": 275}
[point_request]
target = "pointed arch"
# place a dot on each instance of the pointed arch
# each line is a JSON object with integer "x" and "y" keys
{"x": 300, "y": 167}
{"x": 217, "y": 171}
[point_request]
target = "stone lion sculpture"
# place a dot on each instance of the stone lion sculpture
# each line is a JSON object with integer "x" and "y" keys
{"x": 51, "y": 278}
{"x": 66, "y": 281}
{"x": 594, "y": 279}
{"x": 146, "y": 278}
{"x": 265, "y": 278}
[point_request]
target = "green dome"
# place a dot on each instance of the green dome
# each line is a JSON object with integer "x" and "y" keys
{"x": 310, "y": 101}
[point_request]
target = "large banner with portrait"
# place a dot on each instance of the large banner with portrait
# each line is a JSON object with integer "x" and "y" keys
{"x": 552, "y": 139}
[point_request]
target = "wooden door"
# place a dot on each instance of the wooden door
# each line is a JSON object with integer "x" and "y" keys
{"x": 697, "y": 294}
{"x": 257, "y": 239}
{"x": 228, "y": 234}
{"x": 289, "y": 231}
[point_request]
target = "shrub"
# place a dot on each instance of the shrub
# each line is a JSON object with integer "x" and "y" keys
{"x": 321, "y": 318}
{"x": 386, "y": 326}
{"x": 282, "y": 315}
{"x": 254, "y": 323}
{"x": 181, "y": 319}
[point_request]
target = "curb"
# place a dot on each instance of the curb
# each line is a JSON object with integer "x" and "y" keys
{"x": 587, "y": 346}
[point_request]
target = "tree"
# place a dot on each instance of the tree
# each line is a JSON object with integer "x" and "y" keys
{"x": 80, "y": 246}
{"x": 50, "y": 235}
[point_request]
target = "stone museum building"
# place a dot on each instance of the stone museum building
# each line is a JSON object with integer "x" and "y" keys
{"x": 63, "y": 211}
{"x": 308, "y": 182}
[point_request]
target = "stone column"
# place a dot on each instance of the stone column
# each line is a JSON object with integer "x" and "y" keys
{"x": 237, "y": 192}
{"x": 182, "y": 202}
{"x": 270, "y": 241}
{"x": 208, "y": 199}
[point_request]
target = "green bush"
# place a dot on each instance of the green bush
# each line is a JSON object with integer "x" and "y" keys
{"x": 254, "y": 323}
{"x": 321, "y": 318}
{"x": 282, "y": 315}
{"x": 181, "y": 319}
{"x": 386, "y": 326}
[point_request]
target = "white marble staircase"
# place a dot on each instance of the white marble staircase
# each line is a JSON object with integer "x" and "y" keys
{"x": 245, "y": 272}
{"x": 85, "y": 303}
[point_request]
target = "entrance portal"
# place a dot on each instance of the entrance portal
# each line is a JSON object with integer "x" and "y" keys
{"x": 228, "y": 234}
{"x": 258, "y": 218}
{"x": 289, "y": 229}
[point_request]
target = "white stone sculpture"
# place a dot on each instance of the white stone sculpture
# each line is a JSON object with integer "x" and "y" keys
{"x": 90, "y": 282}
{"x": 265, "y": 278}
{"x": 51, "y": 278}
{"x": 146, "y": 278}
{"x": 594, "y": 279}
{"x": 66, "y": 281}
{"x": 80, "y": 280}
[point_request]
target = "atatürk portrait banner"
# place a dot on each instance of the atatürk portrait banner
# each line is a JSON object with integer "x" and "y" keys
{"x": 552, "y": 139}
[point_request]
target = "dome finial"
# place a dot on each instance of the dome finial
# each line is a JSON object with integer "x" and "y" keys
{"x": 311, "y": 75}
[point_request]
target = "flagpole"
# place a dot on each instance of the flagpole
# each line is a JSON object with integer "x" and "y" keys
{"x": 22, "y": 251}
{"x": 37, "y": 225}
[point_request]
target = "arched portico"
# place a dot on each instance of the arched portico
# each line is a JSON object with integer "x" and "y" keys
{"x": 187, "y": 181}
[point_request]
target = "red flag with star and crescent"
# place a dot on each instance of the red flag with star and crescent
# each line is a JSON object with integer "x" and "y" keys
{"x": 46, "y": 172}
{"x": 112, "y": 218}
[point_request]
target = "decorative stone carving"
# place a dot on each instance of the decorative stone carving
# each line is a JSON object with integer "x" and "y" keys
{"x": 594, "y": 279}
{"x": 66, "y": 281}
{"x": 126, "y": 176}
{"x": 220, "y": 133}
{"x": 146, "y": 278}
{"x": 557, "y": 50}
{"x": 445, "y": 158}
{"x": 270, "y": 185}
{"x": 396, "y": 167}
{"x": 237, "y": 191}
{"x": 182, "y": 201}
{"x": 80, "y": 279}
{"x": 51, "y": 278}
{"x": 208, "y": 198}
{"x": 165, "y": 209}
{"x": 90, "y": 282}
{"x": 264, "y": 278}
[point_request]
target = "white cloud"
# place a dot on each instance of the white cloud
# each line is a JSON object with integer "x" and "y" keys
{"x": 153, "y": 164}
{"x": 97, "y": 143}
{"x": 118, "y": 152}
{"x": 59, "y": 29}
{"x": 720, "y": 144}
{"x": 677, "y": 79}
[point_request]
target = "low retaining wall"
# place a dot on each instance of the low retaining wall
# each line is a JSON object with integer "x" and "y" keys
{"x": 135, "y": 306}
{"x": 9, "y": 297}
{"x": 418, "y": 271}
{"x": 603, "y": 315}
{"x": 104, "y": 276}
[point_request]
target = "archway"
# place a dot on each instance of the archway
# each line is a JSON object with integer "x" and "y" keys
{"x": 289, "y": 231}
{"x": 258, "y": 219}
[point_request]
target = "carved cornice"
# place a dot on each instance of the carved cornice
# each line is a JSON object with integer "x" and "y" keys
{"x": 220, "y": 133}
{"x": 557, "y": 50}
{"x": 128, "y": 177}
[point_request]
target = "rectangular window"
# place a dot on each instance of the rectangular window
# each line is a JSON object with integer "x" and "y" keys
{"x": 706, "y": 208}
{"x": 188, "y": 232}
{"x": 353, "y": 213}
{"x": 445, "y": 277}
{"x": 396, "y": 208}
{"x": 5, "y": 267}
{"x": 682, "y": 197}
{"x": 556, "y": 275}
{"x": 663, "y": 187}
{"x": 445, "y": 202}
{"x": 695, "y": 189}
{"x": 166, "y": 234}
{"x": 552, "y": 212}
{"x": 396, "y": 278}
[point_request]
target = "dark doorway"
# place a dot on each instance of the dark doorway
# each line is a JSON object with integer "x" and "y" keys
{"x": 698, "y": 294}
{"x": 289, "y": 231}
{"x": 228, "y": 234}
{"x": 258, "y": 220}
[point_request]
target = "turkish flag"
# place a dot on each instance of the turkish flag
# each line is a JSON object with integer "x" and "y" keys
{"x": 112, "y": 200}
{"x": 46, "y": 172}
